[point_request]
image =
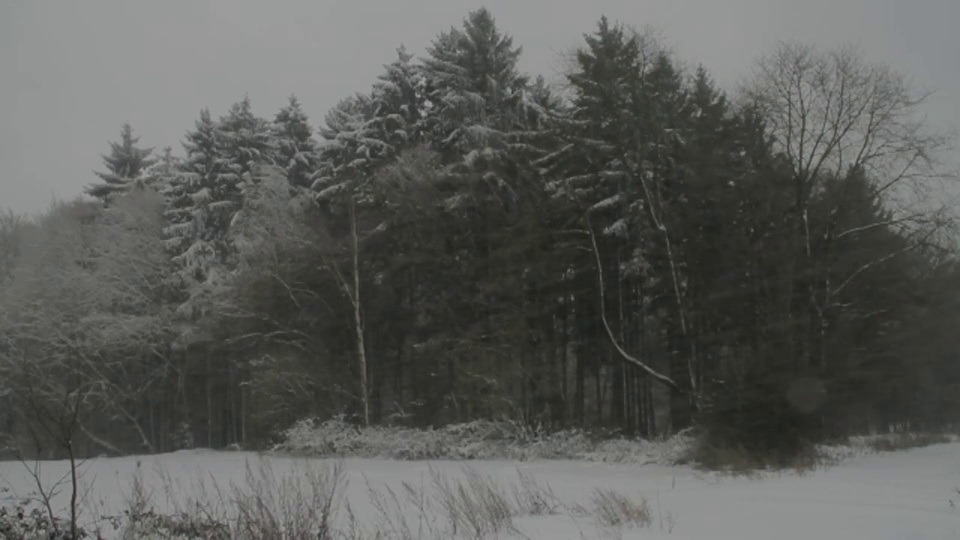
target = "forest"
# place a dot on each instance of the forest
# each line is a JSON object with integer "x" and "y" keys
{"x": 630, "y": 250}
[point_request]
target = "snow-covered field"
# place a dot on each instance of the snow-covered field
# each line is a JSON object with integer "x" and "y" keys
{"x": 904, "y": 495}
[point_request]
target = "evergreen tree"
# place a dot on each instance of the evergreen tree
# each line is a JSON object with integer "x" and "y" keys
{"x": 201, "y": 201}
{"x": 245, "y": 142}
{"x": 296, "y": 150}
{"x": 473, "y": 87}
{"x": 125, "y": 165}
{"x": 366, "y": 131}
{"x": 398, "y": 103}
{"x": 353, "y": 146}
{"x": 161, "y": 173}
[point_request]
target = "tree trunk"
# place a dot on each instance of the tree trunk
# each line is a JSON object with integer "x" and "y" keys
{"x": 209, "y": 389}
{"x": 358, "y": 316}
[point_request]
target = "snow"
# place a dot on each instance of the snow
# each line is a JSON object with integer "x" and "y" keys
{"x": 904, "y": 495}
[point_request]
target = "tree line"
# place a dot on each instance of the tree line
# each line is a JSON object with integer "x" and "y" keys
{"x": 634, "y": 250}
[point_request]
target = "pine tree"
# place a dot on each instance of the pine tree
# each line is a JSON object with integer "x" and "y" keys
{"x": 161, "y": 173}
{"x": 398, "y": 103}
{"x": 245, "y": 142}
{"x": 353, "y": 146}
{"x": 365, "y": 131}
{"x": 201, "y": 202}
{"x": 473, "y": 87}
{"x": 296, "y": 150}
{"x": 125, "y": 165}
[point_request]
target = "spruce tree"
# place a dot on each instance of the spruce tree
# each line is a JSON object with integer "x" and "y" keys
{"x": 201, "y": 202}
{"x": 352, "y": 144}
{"x": 296, "y": 150}
{"x": 245, "y": 142}
{"x": 161, "y": 173}
{"x": 398, "y": 103}
{"x": 473, "y": 86}
{"x": 125, "y": 165}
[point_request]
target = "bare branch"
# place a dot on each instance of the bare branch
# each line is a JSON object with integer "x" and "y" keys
{"x": 606, "y": 325}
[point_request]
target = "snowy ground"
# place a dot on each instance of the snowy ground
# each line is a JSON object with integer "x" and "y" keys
{"x": 905, "y": 495}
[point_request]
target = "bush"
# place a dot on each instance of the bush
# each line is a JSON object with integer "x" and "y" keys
{"x": 479, "y": 439}
{"x": 765, "y": 426}
{"x": 22, "y": 522}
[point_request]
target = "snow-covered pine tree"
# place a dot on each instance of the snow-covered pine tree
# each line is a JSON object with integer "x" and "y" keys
{"x": 161, "y": 173}
{"x": 398, "y": 102}
{"x": 166, "y": 177}
{"x": 603, "y": 120}
{"x": 483, "y": 116}
{"x": 351, "y": 145}
{"x": 245, "y": 141}
{"x": 296, "y": 150}
{"x": 473, "y": 87}
{"x": 200, "y": 204}
{"x": 364, "y": 131}
{"x": 125, "y": 165}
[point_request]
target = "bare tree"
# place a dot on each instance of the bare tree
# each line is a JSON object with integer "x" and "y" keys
{"x": 279, "y": 248}
{"x": 272, "y": 222}
{"x": 831, "y": 113}
{"x": 51, "y": 397}
{"x": 349, "y": 284}
{"x": 97, "y": 277}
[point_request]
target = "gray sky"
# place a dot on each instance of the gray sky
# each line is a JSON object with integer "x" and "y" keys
{"x": 72, "y": 72}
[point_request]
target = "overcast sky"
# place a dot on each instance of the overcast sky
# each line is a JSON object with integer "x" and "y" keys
{"x": 71, "y": 72}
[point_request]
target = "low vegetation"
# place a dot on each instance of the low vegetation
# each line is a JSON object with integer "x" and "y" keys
{"x": 310, "y": 503}
{"x": 476, "y": 440}
{"x": 507, "y": 440}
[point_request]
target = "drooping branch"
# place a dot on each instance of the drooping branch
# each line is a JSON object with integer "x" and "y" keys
{"x": 665, "y": 379}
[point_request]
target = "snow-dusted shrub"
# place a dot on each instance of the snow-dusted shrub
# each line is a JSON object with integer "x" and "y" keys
{"x": 906, "y": 441}
{"x": 23, "y": 522}
{"x": 480, "y": 439}
{"x": 151, "y": 524}
{"x": 862, "y": 445}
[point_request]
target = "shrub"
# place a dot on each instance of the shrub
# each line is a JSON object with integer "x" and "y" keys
{"x": 474, "y": 440}
{"x": 765, "y": 424}
{"x": 33, "y": 523}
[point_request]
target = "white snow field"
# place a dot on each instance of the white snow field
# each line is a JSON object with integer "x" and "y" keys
{"x": 904, "y": 495}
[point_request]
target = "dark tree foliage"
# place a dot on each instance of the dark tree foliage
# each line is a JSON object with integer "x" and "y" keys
{"x": 637, "y": 251}
{"x": 125, "y": 164}
{"x": 296, "y": 151}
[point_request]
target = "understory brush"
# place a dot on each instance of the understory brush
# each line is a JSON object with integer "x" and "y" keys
{"x": 727, "y": 451}
{"x": 310, "y": 502}
{"x": 477, "y": 440}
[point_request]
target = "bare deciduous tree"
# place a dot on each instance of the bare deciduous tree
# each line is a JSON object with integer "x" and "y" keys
{"x": 834, "y": 113}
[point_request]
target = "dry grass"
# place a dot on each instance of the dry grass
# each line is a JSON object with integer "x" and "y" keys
{"x": 613, "y": 509}
{"x": 310, "y": 502}
{"x": 533, "y": 498}
{"x": 293, "y": 506}
{"x": 475, "y": 506}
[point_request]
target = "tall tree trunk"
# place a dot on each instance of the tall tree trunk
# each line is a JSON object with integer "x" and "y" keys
{"x": 209, "y": 392}
{"x": 243, "y": 409}
{"x": 358, "y": 316}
